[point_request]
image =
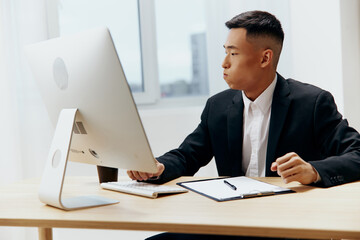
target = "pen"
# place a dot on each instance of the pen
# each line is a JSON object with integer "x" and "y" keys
{"x": 233, "y": 187}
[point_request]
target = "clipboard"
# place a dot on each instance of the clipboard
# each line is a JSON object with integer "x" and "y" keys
{"x": 232, "y": 188}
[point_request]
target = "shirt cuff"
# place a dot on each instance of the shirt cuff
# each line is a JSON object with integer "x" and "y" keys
{"x": 318, "y": 178}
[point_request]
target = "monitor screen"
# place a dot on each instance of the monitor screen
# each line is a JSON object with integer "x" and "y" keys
{"x": 84, "y": 72}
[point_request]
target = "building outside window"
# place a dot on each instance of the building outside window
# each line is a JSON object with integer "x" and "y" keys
{"x": 181, "y": 46}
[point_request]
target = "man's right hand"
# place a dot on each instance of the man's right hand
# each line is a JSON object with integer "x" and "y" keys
{"x": 143, "y": 176}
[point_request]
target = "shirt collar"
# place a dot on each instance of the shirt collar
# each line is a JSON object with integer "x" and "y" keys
{"x": 263, "y": 101}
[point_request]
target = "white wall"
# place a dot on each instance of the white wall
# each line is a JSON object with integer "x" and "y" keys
{"x": 316, "y": 41}
{"x": 350, "y": 32}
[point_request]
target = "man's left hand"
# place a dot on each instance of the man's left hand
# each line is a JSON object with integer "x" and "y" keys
{"x": 291, "y": 167}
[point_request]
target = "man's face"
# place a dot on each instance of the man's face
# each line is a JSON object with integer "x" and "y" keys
{"x": 242, "y": 61}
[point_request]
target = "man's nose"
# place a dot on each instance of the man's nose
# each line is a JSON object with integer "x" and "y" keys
{"x": 225, "y": 64}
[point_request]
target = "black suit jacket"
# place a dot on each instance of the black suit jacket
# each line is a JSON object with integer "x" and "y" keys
{"x": 304, "y": 119}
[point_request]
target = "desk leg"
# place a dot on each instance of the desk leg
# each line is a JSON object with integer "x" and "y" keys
{"x": 45, "y": 233}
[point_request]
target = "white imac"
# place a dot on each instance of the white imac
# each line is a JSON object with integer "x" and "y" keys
{"x": 87, "y": 97}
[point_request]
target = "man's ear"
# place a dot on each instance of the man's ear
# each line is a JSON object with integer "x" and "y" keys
{"x": 267, "y": 58}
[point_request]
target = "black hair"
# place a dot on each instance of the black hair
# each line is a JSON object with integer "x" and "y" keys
{"x": 258, "y": 23}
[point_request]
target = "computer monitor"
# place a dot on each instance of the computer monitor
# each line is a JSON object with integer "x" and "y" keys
{"x": 87, "y": 97}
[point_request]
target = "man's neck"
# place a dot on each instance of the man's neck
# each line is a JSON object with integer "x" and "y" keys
{"x": 266, "y": 80}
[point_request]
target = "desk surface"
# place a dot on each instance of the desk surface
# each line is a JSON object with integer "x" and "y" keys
{"x": 309, "y": 213}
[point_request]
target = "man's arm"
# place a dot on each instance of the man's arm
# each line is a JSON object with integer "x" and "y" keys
{"x": 339, "y": 145}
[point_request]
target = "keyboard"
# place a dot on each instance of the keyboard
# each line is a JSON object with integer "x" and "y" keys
{"x": 142, "y": 188}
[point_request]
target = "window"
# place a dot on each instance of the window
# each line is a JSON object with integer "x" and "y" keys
{"x": 121, "y": 17}
{"x": 181, "y": 47}
{"x": 161, "y": 43}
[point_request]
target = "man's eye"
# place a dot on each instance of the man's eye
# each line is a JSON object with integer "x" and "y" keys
{"x": 234, "y": 54}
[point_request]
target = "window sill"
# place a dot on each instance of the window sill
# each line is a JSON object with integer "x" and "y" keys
{"x": 175, "y": 103}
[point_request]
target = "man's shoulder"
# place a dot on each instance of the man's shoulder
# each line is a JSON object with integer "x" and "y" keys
{"x": 302, "y": 87}
{"x": 306, "y": 94}
{"x": 300, "y": 91}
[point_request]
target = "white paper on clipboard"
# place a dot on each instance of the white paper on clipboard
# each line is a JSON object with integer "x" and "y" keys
{"x": 246, "y": 187}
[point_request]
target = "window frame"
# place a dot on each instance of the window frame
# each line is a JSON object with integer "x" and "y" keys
{"x": 151, "y": 96}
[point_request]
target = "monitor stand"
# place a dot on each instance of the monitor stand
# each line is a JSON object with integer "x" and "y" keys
{"x": 53, "y": 178}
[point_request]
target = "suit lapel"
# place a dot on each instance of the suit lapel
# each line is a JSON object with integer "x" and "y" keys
{"x": 235, "y": 132}
{"x": 279, "y": 109}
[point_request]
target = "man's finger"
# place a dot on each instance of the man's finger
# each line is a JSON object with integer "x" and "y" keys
{"x": 291, "y": 171}
{"x": 292, "y": 162}
{"x": 273, "y": 166}
{"x": 130, "y": 174}
{"x": 137, "y": 176}
{"x": 292, "y": 178}
{"x": 145, "y": 176}
{"x": 285, "y": 158}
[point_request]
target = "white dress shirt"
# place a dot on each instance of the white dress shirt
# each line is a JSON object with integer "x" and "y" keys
{"x": 256, "y": 119}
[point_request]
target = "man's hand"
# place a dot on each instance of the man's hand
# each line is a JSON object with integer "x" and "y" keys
{"x": 143, "y": 176}
{"x": 291, "y": 167}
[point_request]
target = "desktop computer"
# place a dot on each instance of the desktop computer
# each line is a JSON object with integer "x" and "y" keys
{"x": 87, "y": 97}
